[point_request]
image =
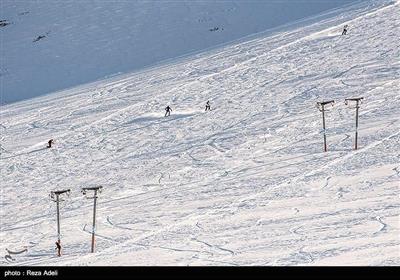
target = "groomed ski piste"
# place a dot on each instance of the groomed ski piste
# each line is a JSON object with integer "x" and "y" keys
{"x": 247, "y": 183}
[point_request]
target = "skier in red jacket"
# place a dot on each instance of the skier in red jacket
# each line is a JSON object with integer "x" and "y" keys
{"x": 58, "y": 248}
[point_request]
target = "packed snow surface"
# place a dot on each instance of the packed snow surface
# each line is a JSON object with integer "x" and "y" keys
{"x": 247, "y": 183}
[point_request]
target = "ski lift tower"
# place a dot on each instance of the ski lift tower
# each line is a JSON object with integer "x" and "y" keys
{"x": 94, "y": 197}
{"x": 358, "y": 101}
{"x": 55, "y": 196}
{"x": 321, "y": 108}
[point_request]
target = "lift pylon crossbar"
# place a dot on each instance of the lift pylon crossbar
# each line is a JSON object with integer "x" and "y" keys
{"x": 323, "y": 103}
{"x": 92, "y": 188}
{"x": 354, "y": 99}
{"x": 60, "y": 192}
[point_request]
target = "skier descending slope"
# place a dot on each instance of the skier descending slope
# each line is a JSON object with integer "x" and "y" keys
{"x": 345, "y": 29}
{"x": 208, "y": 107}
{"x": 167, "y": 111}
{"x": 49, "y": 143}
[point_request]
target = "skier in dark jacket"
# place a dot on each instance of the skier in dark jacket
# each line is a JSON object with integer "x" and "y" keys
{"x": 58, "y": 248}
{"x": 345, "y": 29}
{"x": 167, "y": 111}
{"x": 208, "y": 107}
{"x": 49, "y": 143}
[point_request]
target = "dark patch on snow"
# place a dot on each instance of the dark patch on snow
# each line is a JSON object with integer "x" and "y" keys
{"x": 215, "y": 29}
{"x": 4, "y": 23}
{"x": 40, "y": 37}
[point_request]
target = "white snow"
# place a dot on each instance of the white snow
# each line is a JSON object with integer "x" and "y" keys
{"x": 88, "y": 40}
{"x": 247, "y": 183}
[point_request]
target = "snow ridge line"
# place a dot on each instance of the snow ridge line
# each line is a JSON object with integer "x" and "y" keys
{"x": 383, "y": 225}
{"x": 213, "y": 246}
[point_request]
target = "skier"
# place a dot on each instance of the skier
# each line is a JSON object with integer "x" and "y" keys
{"x": 58, "y": 248}
{"x": 345, "y": 30}
{"x": 208, "y": 107}
{"x": 50, "y": 142}
{"x": 168, "y": 111}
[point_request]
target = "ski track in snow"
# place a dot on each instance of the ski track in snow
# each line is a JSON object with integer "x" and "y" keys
{"x": 246, "y": 183}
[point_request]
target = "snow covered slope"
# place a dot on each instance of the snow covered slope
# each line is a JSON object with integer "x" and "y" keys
{"x": 87, "y": 40}
{"x": 247, "y": 183}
